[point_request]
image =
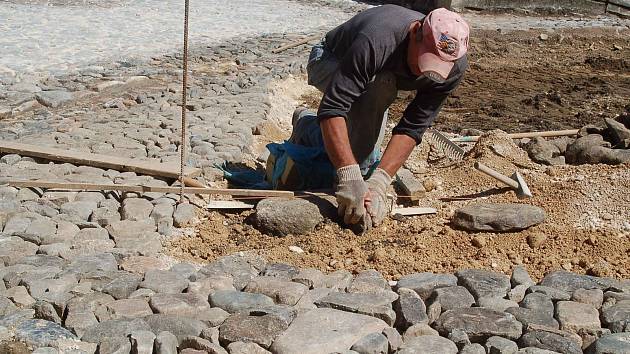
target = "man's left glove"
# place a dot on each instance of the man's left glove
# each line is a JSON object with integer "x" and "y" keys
{"x": 377, "y": 184}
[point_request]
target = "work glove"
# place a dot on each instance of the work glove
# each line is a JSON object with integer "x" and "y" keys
{"x": 377, "y": 185}
{"x": 351, "y": 193}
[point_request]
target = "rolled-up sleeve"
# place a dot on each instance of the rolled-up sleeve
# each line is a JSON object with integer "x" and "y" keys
{"x": 356, "y": 69}
{"x": 425, "y": 107}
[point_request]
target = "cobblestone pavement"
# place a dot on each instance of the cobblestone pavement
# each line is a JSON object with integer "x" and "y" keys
{"x": 57, "y": 38}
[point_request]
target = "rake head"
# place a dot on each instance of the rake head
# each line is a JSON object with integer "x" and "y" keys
{"x": 446, "y": 146}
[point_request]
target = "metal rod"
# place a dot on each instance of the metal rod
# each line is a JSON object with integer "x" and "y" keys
{"x": 182, "y": 144}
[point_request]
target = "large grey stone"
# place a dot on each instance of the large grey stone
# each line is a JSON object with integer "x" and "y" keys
{"x": 20, "y": 296}
{"x": 13, "y": 248}
{"x": 452, "y": 297}
{"x": 126, "y": 229}
{"x": 550, "y": 341}
{"x": 93, "y": 263}
{"x": 184, "y": 215}
{"x": 201, "y": 344}
{"x": 261, "y": 330}
{"x": 136, "y": 209}
{"x": 246, "y": 348}
{"x": 142, "y": 342}
{"x": 593, "y": 149}
{"x": 428, "y": 345}
{"x": 473, "y": 348}
{"x": 178, "y": 325}
{"x": 528, "y": 316}
{"x": 617, "y": 313}
{"x": 544, "y": 152}
{"x": 122, "y": 286}
{"x": 113, "y": 329}
{"x": 186, "y": 270}
{"x": 210, "y": 284}
{"x": 339, "y": 280}
{"x": 533, "y": 350}
{"x": 128, "y": 308}
{"x": 234, "y": 301}
{"x": 281, "y": 217}
{"x": 54, "y": 99}
{"x": 242, "y": 267}
{"x": 498, "y": 217}
{"x": 425, "y": 283}
{"x": 373, "y": 343}
{"x": 81, "y": 210}
{"x": 366, "y": 304}
{"x": 41, "y": 229}
{"x": 617, "y": 131}
{"x": 372, "y": 282}
{"x": 325, "y": 331}
{"x": 496, "y": 303}
{"x": 577, "y": 317}
{"x": 484, "y": 283}
{"x": 310, "y": 277}
{"x": 46, "y": 311}
{"x": 479, "y": 323}
{"x": 185, "y": 304}
{"x": 539, "y": 302}
{"x": 165, "y": 343}
{"x": 499, "y": 345}
{"x": 282, "y": 270}
{"x": 164, "y": 281}
{"x": 410, "y": 309}
{"x": 593, "y": 297}
{"x": 553, "y": 293}
{"x": 42, "y": 333}
{"x": 105, "y": 216}
{"x": 281, "y": 291}
{"x": 114, "y": 345}
{"x": 616, "y": 343}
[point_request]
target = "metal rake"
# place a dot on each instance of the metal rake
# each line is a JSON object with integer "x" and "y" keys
{"x": 445, "y": 145}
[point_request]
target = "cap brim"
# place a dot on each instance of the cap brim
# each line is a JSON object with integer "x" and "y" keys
{"x": 429, "y": 61}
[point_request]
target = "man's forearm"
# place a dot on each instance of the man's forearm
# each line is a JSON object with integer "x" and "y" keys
{"x": 398, "y": 150}
{"x": 336, "y": 141}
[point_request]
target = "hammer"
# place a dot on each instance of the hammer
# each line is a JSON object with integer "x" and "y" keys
{"x": 516, "y": 181}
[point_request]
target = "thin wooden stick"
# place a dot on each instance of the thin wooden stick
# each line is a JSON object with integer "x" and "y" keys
{"x": 550, "y": 133}
{"x": 296, "y": 43}
{"x": 148, "y": 189}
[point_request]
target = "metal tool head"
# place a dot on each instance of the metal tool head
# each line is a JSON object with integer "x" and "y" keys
{"x": 448, "y": 148}
{"x": 523, "y": 190}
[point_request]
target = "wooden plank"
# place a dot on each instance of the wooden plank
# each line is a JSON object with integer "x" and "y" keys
{"x": 228, "y": 204}
{"x": 409, "y": 185}
{"x": 148, "y": 189}
{"x": 413, "y": 211}
{"x": 151, "y": 168}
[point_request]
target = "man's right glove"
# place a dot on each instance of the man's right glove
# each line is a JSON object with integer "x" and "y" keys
{"x": 377, "y": 184}
{"x": 351, "y": 193}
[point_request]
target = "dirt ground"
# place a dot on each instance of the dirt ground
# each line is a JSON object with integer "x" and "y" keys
{"x": 516, "y": 82}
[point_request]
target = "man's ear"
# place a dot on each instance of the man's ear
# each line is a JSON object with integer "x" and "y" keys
{"x": 418, "y": 31}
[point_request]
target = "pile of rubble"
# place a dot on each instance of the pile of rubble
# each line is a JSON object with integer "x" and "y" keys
{"x": 609, "y": 144}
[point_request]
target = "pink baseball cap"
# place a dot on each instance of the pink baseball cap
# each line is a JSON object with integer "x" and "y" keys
{"x": 444, "y": 40}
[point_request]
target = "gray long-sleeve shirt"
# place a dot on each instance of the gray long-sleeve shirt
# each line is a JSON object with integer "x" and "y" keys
{"x": 374, "y": 41}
